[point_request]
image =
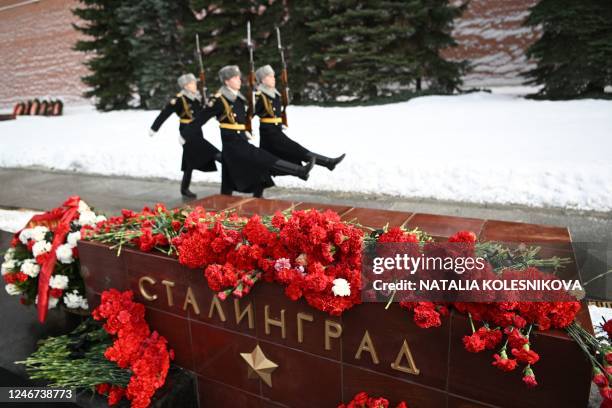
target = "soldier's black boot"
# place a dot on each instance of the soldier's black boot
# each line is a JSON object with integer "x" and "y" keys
{"x": 185, "y": 184}
{"x": 258, "y": 192}
{"x": 325, "y": 161}
{"x": 292, "y": 169}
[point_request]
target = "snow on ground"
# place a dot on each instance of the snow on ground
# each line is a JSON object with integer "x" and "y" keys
{"x": 14, "y": 220}
{"x": 599, "y": 315}
{"x": 480, "y": 147}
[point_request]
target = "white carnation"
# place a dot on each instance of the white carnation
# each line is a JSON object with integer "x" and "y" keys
{"x": 40, "y": 248}
{"x": 87, "y": 218}
{"x": 72, "y": 238}
{"x": 100, "y": 218}
{"x": 58, "y": 282}
{"x": 24, "y": 235}
{"x": 8, "y": 266}
{"x": 30, "y": 268}
{"x": 341, "y": 287}
{"x": 9, "y": 254}
{"x": 74, "y": 300}
{"x": 12, "y": 289}
{"x": 39, "y": 232}
{"x": 64, "y": 254}
{"x": 83, "y": 207}
{"x": 51, "y": 303}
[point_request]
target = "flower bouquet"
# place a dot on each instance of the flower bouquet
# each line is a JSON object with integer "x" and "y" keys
{"x": 115, "y": 354}
{"x": 42, "y": 264}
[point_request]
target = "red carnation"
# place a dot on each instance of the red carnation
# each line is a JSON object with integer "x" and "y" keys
{"x": 463, "y": 236}
{"x": 490, "y": 337}
{"x": 474, "y": 343}
{"x": 600, "y": 378}
{"x": 56, "y": 293}
{"x": 608, "y": 328}
{"x": 529, "y": 377}
{"x": 425, "y": 316}
{"x": 503, "y": 362}
{"x": 515, "y": 339}
{"x": 115, "y": 394}
{"x": 525, "y": 355}
{"x": 103, "y": 388}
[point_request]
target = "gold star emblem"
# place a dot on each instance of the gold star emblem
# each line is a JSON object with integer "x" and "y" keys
{"x": 259, "y": 365}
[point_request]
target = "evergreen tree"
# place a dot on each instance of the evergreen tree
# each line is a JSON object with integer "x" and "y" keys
{"x": 159, "y": 47}
{"x": 362, "y": 49}
{"x": 573, "y": 54}
{"x": 222, "y": 30}
{"x": 432, "y": 25}
{"x": 368, "y": 50}
{"x": 111, "y": 70}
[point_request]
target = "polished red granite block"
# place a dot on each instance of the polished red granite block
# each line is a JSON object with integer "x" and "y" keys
{"x": 263, "y": 207}
{"x": 357, "y": 379}
{"x": 107, "y": 271}
{"x": 316, "y": 353}
{"x": 215, "y": 395}
{"x": 562, "y": 372}
{"x": 216, "y": 355}
{"x": 219, "y": 202}
{"x": 456, "y": 402}
{"x": 295, "y": 324}
{"x": 340, "y": 209}
{"x": 373, "y": 218}
{"x": 444, "y": 226}
{"x": 174, "y": 329}
{"x": 517, "y": 232}
{"x": 388, "y": 332}
{"x": 302, "y": 380}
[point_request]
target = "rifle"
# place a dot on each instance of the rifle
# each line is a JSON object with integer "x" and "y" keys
{"x": 250, "y": 82}
{"x": 284, "y": 78}
{"x": 202, "y": 75}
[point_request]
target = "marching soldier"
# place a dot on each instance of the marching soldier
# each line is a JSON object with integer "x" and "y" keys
{"x": 271, "y": 135}
{"x": 246, "y": 168}
{"x": 198, "y": 153}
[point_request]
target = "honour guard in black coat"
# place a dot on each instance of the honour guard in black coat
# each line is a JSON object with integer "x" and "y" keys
{"x": 271, "y": 135}
{"x": 246, "y": 168}
{"x": 198, "y": 153}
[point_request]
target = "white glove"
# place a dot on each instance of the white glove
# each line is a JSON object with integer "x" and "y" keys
{"x": 152, "y": 132}
{"x": 181, "y": 140}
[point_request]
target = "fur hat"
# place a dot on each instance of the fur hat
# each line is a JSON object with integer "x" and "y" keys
{"x": 227, "y": 72}
{"x": 263, "y": 72}
{"x": 185, "y": 79}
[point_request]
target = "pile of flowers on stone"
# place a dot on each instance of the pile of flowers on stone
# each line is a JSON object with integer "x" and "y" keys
{"x": 363, "y": 400}
{"x": 42, "y": 264}
{"x": 114, "y": 353}
{"x": 317, "y": 256}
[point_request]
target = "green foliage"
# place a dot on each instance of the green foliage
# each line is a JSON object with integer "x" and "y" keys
{"x": 222, "y": 30}
{"x": 375, "y": 50}
{"x": 574, "y": 52}
{"x": 108, "y": 51}
{"x": 159, "y": 48}
{"x": 338, "y": 51}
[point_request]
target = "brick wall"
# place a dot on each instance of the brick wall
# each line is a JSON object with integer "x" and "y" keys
{"x": 36, "y": 56}
{"x": 37, "y": 60}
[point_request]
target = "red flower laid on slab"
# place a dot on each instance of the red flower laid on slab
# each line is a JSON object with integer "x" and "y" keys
{"x": 363, "y": 400}
{"x": 503, "y": 362}
{"x": 525, "y": 355}
{"x": 474, "y": 343}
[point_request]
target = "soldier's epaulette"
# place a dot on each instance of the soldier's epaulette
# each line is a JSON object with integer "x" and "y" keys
{"x": 213, "y": 99}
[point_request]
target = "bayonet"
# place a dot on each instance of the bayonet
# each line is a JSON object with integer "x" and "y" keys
{"x": 202, "y": 74}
